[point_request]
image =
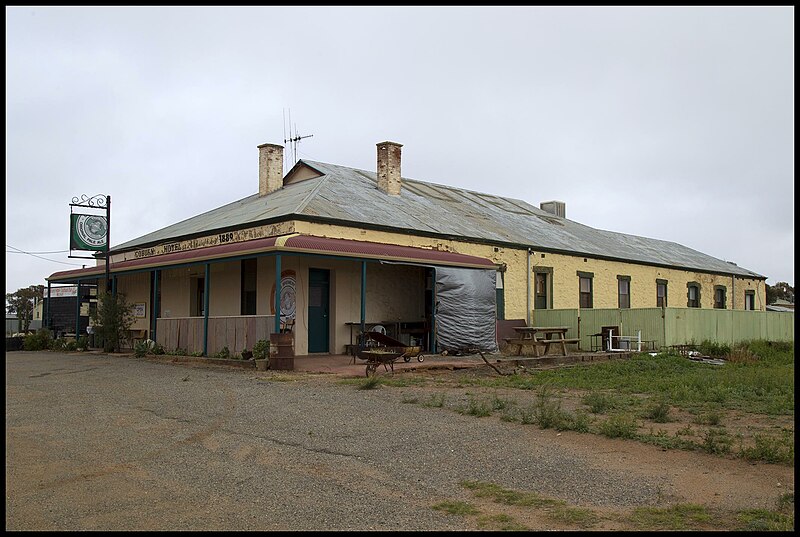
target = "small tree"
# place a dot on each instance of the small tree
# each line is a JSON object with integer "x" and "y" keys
{"x": 21, "y": 303}
{"x": 112, "y": 319}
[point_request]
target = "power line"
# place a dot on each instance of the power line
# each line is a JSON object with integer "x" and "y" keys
{"x": 53, "y": 252}
{"x": 40, "y": 257}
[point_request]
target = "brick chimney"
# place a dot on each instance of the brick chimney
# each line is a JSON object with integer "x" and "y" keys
{"x": 270, "y": 168}
{"x": 558, "y": 208}
{"x": 389, "y": 167}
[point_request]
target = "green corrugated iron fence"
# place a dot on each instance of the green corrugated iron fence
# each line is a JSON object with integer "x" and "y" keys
{"x": 671, "y": 326}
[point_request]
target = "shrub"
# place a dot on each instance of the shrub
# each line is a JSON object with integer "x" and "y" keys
{"x": 141, "y": 349}
{"x": 223, "y": 353}
{"x": 714, "y": 349}
{"x": 83, "y": 343}
{"x": 261, "y": 349}
{"x": 112, "y": 319}
{"x": 71, "y": 346}
{"x": 39, "y": 341}
{"x": 57, "y": 344}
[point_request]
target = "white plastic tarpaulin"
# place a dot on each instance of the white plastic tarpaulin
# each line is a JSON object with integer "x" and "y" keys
{"x": 466, "y": 309}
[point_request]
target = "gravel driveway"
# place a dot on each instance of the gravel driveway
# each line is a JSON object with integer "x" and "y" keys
{"x": 97, "y": 442}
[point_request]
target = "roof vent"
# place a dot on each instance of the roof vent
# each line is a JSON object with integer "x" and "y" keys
{"x": 558, "y": 208}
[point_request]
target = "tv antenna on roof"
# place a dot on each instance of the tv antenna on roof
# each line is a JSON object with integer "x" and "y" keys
{"x": 293, "y": 138}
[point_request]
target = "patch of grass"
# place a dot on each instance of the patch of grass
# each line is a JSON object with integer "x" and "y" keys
{"x": 500, "y": 404}
{"x": 714, "y": 349}
{"x": 527, "y": 415}
{"x": 477, "y": 408}
{"x": 764, "y": 520}
{"x": 786, "y": 500}
{"x": 575, "y": 516}
{"x": 716, "y": 441}
{"x": 410, "y": 400}
{"x": 678, "y": 517}
{"x": 508, "y": 497}
{"x": 710, "y": 418}
{"x": 658, "y": 412}
{"x": 619, "y": 426}
{"x": 765, "y": 386}
{"x": 435, "y": 401}
{"x": 662, "y": 439}
{"x": 500, "y": 522}
{"x": 771, "y": 449}
{"x": 600, "y": 403}
{"x": 369, "y": 383}
{"x": 456, "y": 508}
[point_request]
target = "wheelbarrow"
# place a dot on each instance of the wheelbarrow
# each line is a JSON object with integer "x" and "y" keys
{"x": 382, "y": 341}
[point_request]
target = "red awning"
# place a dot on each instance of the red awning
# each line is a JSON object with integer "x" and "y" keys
{"x": 306, "y": 244}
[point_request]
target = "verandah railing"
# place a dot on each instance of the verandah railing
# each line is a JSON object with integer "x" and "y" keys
{"x": 235, "y": 332}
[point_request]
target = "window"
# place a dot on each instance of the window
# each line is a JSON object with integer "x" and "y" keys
{"x": 585, "y": 289}
{"x": 749, "y": 300}
{"x": 249, "y": 269}
{"x": 693, "y": 294}
{"x": 661, "y": 293}
{"x": 624, "y": 291}
{"x": 719, "y": 297}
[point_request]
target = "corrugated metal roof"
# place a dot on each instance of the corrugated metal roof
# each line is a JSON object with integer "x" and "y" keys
{"x": 348, "y": 194}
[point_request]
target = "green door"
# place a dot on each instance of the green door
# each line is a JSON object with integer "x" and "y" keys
{"x": 318, "y": 321}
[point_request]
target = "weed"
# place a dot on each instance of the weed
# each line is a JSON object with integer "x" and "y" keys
{"x": 436, "y": 401}
{"x": 716, "y": 441}
{"x": 678, "y": 517}
{"x": 599, "y": 403}
{"x": 712, "y": 348}
{"x": 501, "y": 522}
{"x": 223, "y": 353}
{"x": 619, "y": 426}
{"x": 410, "y": 400}
{"x": 786, "y": 500}
{"x": 658, "y": 412}
{"x": 580, "y": 422}
{"x": 478, "y": 408}
{"x": 456, "y": 508}
{"x": 770, "y": 449}
{"x": 576, "y": 516}
{"x": 527, "y": 415}
{"x": 763, "y": 520}
{"x": 508, "y": 497}
{"x": 500, "y": 404}
{"x": 711, "y": 418}
{"x": 369, "y": 383}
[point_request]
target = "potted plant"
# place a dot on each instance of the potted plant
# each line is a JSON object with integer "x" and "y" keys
{"x": 261, "y": 354}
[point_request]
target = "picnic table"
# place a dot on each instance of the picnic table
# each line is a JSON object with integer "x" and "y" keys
{"x": 541, "y": 338}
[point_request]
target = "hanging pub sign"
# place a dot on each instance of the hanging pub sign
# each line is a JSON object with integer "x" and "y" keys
{"x": 88, "y": 232}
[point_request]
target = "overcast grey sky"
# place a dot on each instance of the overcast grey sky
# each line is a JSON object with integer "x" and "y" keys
{"x": 675, "y": 123}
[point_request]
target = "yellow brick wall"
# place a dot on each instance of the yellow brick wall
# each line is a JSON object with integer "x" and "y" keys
{"x": 565, "y": 269}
